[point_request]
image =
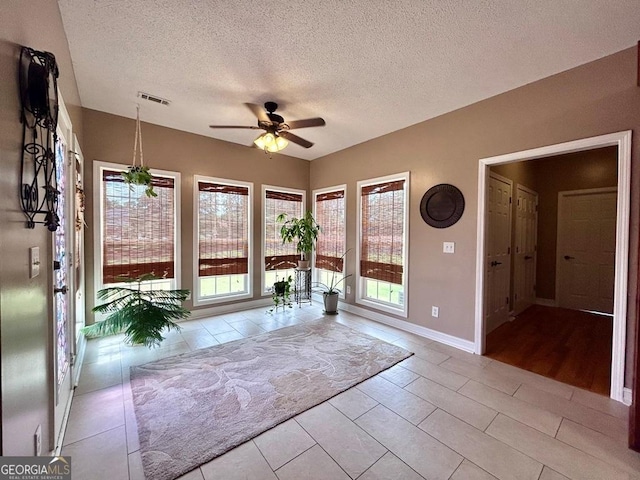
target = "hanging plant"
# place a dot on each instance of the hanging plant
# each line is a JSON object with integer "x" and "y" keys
{"x": 138, "y": 174}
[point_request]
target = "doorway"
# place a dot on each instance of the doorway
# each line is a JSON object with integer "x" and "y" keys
{"x": 622, "y": 141}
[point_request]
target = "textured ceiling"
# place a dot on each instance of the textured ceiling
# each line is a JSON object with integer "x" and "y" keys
{"x": 367, "y": 67}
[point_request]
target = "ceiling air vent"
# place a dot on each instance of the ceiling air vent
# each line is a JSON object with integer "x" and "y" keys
{"x": 153, "y": 98}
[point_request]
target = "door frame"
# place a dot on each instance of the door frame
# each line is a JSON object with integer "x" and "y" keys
{"x": 623, "y": 141}
{"x": 561, "y": 215}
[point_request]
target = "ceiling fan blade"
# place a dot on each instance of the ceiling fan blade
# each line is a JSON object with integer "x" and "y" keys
{"x": 308, "y": 122}
{"x": 258, "y": 111}
{"x": 295, "y": 139}
{"x": 252, "y": 127}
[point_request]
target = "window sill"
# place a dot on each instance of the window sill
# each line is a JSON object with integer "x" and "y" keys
{"x": 383, "y": 307}
{"x": 199, "y": 302}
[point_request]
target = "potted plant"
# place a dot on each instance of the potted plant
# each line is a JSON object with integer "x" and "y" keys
{"x": 139, "y": 175}
{"x": 281, "y": 293}
{"x": 304, "y": 231}
{"x": 141, "y": 314}
{"x": 331, "y": 291}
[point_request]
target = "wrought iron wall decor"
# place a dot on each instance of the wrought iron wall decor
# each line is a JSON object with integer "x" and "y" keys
{"x": 39, "y": 96}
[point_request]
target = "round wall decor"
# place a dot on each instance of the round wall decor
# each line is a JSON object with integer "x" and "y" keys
{"x": 442, "y": 205}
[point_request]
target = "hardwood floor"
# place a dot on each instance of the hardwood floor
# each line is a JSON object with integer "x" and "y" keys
{"x": 567, "y": 345}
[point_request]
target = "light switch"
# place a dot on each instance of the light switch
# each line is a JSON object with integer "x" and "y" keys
{"x": 34, "y": 262}
{"x": 448, "y": 247}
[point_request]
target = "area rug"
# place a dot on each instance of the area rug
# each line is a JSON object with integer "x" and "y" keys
{"x": 196, "y": 406}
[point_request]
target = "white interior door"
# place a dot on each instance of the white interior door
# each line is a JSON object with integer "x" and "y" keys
{"x": 498, "y": 258}
{"x": 586, "y": 247}
{"x": 524, "y": 293}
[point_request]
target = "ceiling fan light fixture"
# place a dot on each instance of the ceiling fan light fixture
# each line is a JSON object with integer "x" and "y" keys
{"x": 270, "y": 142}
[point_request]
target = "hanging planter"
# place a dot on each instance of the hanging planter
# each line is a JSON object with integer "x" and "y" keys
{"x": 138, "y": 173}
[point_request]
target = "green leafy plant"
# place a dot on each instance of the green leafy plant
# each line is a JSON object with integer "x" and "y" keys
{"x": 331, "y": 291}
{"x": 141, "y": 314}
{"x": 334, "y": 281}
{"x": 281, "y": 293}
{"x": 139, "y": 175}
{"x": 304, "y": 231}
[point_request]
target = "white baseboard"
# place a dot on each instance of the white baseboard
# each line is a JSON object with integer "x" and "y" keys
{"x": 445, "y": 338}
{"x": 546, "y": 302}
{"x": 627, "y": 396}
{"x": 230, "y": 308}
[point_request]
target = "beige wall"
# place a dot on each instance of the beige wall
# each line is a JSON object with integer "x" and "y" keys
{"x": 594, "y": 99}
{"x": 549, "y": 176}
{"x": 24, "y": 307}
{"x": 110, "y": 138}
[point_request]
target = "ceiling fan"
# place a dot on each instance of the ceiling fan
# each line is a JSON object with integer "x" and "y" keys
{"x": 277, "y": 131}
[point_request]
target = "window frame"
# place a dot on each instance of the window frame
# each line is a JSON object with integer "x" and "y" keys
{"x": 196, "y": 297}
{"x": 265, "y": 292}
{"x": 314, "y": 195}
{"x": 360, "y": 280}
{"x": 98, "y": 201}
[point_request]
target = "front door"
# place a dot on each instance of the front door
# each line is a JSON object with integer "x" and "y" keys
{"x": 524, "y": 273}
{"x": 498, "y": 258}
{"x": 62, "y": 285}
{"x": 586, "y": 249}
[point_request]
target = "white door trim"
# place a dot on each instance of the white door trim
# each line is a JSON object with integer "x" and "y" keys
{"x": 623, "y": 141}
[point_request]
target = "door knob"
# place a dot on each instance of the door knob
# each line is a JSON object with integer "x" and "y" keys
{"x": 568, "y": 257}
{"x": 495, "y": 263}
{"x": 528, "y": 257}
{"x": 63, "y": 290}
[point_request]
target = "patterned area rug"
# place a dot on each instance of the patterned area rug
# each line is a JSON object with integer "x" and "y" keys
{"x": 194, "y": 407}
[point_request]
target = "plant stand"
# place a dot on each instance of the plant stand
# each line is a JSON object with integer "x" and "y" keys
{"x": 302, "y": 290}
{"x": 281, "y": 303}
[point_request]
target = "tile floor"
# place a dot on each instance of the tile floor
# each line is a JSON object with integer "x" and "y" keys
{"x": 441, "y": 414}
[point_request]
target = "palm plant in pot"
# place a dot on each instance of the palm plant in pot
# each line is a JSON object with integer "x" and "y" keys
{"x": 330, "y": 292}
{"x": 141, "y": 314}
{"x": 304, "y": 231}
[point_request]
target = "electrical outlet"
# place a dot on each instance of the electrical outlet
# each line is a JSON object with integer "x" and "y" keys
{"x": 448, "y": 247}
{"x": 37, "y": 441}
{"x": 348, "y": 289}
{"x": 435, "y": 311}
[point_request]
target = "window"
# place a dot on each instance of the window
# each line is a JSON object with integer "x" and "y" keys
{"x": 279, "y": 260}
{"x": 223, "y": 239}
{"x": 138, "y": 234}
{"x": 382, "y": 247}
{"x": 331, "y": 216}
